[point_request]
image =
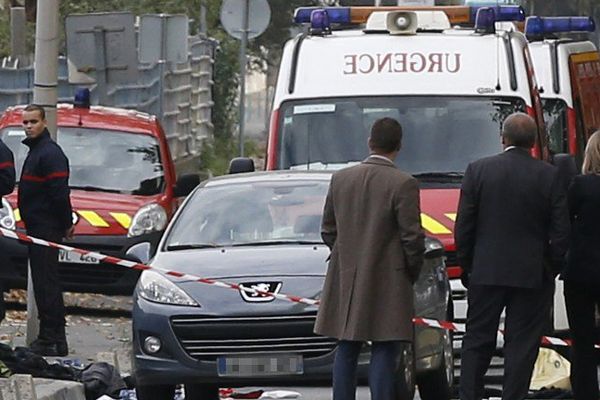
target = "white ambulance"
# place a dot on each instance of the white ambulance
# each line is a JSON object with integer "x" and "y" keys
{"x": 569, "y": 82}
{"x": 450, "y": 87}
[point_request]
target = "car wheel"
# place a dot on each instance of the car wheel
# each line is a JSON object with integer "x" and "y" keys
{"x": 405, "y": 374}
{"x": 437, "y": 384}
{"x": 155, "y": 392}
{"x": 201, "y": 392}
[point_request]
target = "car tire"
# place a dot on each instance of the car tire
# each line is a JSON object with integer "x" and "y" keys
{"x": 405, "y": 374}
{"x": 155, "y": 392}
{"x": 201, "y": 392}
{"x": 437, "y": 384}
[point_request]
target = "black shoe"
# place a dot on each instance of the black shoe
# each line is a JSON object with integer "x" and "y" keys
{"x": 52, "y": 349}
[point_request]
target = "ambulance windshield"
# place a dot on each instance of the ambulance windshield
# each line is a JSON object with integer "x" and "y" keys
{"x": 102, "y": 160}
{"x": 441, "y": 135}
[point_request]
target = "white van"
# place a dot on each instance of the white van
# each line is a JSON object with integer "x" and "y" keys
{"x": 450, "y": 87}
{"x": 569, "y": 80}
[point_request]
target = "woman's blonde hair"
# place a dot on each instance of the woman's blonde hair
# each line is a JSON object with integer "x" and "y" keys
{"x": 591, "y": 161}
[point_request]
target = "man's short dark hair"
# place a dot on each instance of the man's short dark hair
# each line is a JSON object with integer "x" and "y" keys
{"x": 35, "y": 107}
{"x": 386, "y": 135}
{"x": 519, "y": 130}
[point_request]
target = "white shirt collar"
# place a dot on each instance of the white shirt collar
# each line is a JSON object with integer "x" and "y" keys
{"x": 381, "y": 158}
{"x": 509, "y": 148}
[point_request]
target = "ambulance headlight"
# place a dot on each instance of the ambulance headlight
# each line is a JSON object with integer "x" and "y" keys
{"x": 7, "y": 216}
{"x": 150, "y": 218}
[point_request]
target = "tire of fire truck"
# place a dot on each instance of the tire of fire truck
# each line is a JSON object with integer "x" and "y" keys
{"x": 201, "y": 392}
{"x": 405, "y": 375}
{"x": 155, "y": 392}
{"x": 437, "y": 384}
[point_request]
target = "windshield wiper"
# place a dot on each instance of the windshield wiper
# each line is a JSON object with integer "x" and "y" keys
{"x": 175, "y": 247}
{"x": 439, "y": 175}
{"x": 95, "y": 189}
{"x": 276, "y": 242}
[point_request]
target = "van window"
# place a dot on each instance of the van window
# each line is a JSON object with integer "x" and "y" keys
{"x": 440, "y": 134}
{"x": 555, "y": 114}
{"x": 102, "y": 160}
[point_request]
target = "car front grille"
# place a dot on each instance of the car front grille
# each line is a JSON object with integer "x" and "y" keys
{"x": 209, "y": 338}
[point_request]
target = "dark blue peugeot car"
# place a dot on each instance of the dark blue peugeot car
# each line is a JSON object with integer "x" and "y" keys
{"x": 260, "y": 231}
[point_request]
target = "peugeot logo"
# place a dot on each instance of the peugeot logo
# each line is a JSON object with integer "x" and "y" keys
{"x": 250, "y": 297}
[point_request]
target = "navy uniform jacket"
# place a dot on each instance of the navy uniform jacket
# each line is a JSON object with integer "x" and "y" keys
{"x": 44, "y": 192}
{"x": 7, "y": 170}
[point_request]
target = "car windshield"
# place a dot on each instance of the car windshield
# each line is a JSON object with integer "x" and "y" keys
{"x": 102, "y": 160}
{"x": 440, "y": 134}
{"x": 250, "y": 214}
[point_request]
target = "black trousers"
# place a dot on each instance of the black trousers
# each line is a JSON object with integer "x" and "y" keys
{"x": 527, "y": 311}
{"x": 581, "y": 301}
{"x": 47, "y": 286}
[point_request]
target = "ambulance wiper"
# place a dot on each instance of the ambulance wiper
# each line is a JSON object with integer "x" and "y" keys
{"x": 95, "y": 189}
{"x": 439, "y": 175}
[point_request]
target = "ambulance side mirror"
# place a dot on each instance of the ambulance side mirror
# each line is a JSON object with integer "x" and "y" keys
{"x": 567, "y": 168}
{"x": 185, "y": 184}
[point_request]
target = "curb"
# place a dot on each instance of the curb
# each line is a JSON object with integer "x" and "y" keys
{"x": 25, "y": 387}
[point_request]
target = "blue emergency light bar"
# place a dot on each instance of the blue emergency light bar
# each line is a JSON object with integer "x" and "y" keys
{"x": 541, "y": 26}
{"x": 502, "y": 13}
{"x": 319, "y": 22}
{"x": 336, "y": 15}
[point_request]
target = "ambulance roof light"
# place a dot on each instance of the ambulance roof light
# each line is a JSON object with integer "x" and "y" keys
{"x": 538, "y": 27}
{"x": 82, "y": 98}
{"x": 485, "y": 21}
{"x": 319, "y": 22}
{"x": 337, "y": 15}
{"x": 503, "y": 13}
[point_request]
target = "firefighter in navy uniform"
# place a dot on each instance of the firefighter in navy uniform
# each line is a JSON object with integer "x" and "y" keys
{"x": 46, "y": 211}
{"x": 7, "y": 184}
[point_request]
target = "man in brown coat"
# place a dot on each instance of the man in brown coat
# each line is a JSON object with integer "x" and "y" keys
{"x": 371, "y": 223}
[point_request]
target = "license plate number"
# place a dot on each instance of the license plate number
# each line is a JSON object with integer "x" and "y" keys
{"x": 260, "y": 366}
{"x": 76, "y": 258}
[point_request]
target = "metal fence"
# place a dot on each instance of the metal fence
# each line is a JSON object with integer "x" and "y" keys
{"x": 180, "y": 95}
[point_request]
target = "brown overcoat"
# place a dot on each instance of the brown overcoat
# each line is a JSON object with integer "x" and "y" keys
{"x": 372, "y": 224}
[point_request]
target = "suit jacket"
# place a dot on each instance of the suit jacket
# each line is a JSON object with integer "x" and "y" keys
{"x": 583, "y": 264}
{"x": 372, "y": 224}
{"x": 512, "y": 227}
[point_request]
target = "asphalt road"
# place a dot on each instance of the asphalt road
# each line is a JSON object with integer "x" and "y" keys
{"x": 99, "y": 323}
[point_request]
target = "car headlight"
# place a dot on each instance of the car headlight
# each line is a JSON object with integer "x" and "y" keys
{"x": 7, "y": 216}
{"x": 155, "y": 287}
{"x": 148, "y": 219}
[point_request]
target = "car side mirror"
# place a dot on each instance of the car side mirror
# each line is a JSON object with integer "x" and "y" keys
{"x": 185, "y": 184}
{"x": 239, "y": 165}
{"x": 567, "y": 168}
{"x": 140, "y": 252}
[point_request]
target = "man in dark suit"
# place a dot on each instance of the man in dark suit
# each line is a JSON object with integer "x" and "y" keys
{"x": 511, "y": 235}
{"x": 371, "y": 223}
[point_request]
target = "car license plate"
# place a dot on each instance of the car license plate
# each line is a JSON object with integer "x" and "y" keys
{"x": 76, "y": 258}
{"x": 267, "y": 365}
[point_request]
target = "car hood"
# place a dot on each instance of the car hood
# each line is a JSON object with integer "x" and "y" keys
{"x": 296, "y": 270}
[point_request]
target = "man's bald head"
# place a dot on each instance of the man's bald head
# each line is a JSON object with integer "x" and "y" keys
{"x": 519, "y": 130}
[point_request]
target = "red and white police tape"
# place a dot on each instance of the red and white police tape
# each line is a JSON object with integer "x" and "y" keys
{"x": 294, "y": 299}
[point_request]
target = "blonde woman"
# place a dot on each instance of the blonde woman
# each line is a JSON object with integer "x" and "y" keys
{"x": 582, "y": 275}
